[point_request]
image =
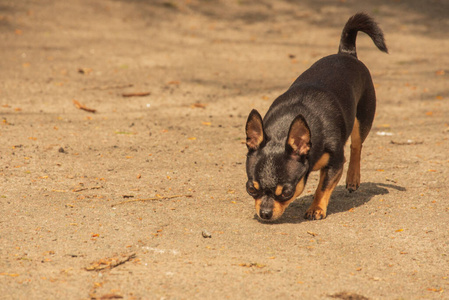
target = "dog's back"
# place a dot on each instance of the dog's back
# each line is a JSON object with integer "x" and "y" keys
{"x": 335, "y": 83}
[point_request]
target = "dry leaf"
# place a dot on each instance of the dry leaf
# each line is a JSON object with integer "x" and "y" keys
{"x": 84, "y": 70}
{"x": 198, "y": 105}
{"x": 9, "y": 274}
{"x": 250, "y": 265}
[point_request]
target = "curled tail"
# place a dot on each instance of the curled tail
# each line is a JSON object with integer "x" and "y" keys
{"x": 360, "y": 22}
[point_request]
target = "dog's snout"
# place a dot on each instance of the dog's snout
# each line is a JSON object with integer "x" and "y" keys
{"x": 266, "y": 214}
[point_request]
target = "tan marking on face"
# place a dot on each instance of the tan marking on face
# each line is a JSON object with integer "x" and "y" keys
{"x": 279, "y": 189}
{"x": 280, "y": 207}
{"x": 256, "y": 185}
{"x": 322, "y": 162}
{"x": 258, "y": 202}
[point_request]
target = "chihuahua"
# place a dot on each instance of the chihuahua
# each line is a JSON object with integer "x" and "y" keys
{"x": 306, "y": 129}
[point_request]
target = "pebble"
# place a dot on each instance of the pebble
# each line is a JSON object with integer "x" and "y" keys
{"x": 206, "y": 234}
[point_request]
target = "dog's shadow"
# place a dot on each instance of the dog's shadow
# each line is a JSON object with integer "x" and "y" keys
{"x": 341, "y": 201}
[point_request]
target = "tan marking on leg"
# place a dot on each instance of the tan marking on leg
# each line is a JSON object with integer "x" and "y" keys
{"x": 353, "y": 175}
{"x": 322, "y": 162}
{"x": 318, "y": 208}
{"x": 279, "y": 207}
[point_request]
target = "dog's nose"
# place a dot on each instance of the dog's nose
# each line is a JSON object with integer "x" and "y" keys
{"x": 266, "y": 214}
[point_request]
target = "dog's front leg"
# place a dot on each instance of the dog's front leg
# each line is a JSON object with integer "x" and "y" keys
{"x": 329, "y": 178}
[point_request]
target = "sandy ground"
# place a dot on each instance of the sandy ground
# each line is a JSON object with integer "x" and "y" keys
{"x": 65, "y": 230}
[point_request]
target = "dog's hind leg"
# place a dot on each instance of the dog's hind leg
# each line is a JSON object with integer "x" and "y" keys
{"x": 362, "y": 125}
{"x": 353, "y": 175}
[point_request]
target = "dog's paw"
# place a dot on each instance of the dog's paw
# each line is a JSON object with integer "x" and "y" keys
{"x": 352, "y": 180}
{"x": 315, "y": 213}
{"x": 352, "y": 186}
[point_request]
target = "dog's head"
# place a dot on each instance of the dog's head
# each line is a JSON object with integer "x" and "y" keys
{"x": 277, "y": 170}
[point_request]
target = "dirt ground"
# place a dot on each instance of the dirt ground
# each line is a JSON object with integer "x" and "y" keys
{"x": 66, "y": 231}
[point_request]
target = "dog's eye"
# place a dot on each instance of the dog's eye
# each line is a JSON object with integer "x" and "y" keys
{"x": 252, "y": 191}
{"x": 287, "y": 192}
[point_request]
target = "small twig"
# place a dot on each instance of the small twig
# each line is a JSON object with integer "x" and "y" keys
{"x": 103, "y": 264}
{"x": 143, "y": 94}
{"x": 152, "y": 199}
{"x": 110, "y": 296}
{"x": 121, "y": 262}
{"x": 110, "y": 87}
{"x": 81, "y": 106}
{"x": 86, "y": 188}
{"x": 408, "y": 142}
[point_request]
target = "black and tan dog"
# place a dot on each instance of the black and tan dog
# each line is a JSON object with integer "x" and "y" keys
{"x": 306, "y": 129}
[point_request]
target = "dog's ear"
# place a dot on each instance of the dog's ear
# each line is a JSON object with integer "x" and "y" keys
{"x": 254, "y": 131}
{"x": 298, "y": 139}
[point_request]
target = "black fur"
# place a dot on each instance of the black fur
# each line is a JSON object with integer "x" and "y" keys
{"x": 360, "y": 22}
